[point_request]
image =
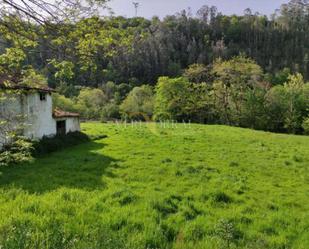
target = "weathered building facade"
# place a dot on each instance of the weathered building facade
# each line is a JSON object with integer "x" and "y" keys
{"x": 30, "y": 113}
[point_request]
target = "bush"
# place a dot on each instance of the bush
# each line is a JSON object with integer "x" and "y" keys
{"x": 306, "y": 126}
{"x": 138, "y": 104}
{"x": 171, "y": 99}
{"x": 17, "y": 152}
{"x": 23, "y": 150}
{"x": 51, "y": 144}
{"x": 60, "y": 101}
{"x": 90, "y": 102}
{"x": 227, "y": 232}
{"x": 110, "y": 111}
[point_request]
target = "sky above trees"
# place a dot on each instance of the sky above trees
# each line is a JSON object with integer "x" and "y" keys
{"x": 161, "y": 8}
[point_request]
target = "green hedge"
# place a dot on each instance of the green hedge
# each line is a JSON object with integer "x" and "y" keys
{"x": 58, "y": 142}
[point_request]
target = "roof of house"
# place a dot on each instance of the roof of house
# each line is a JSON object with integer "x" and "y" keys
{"x": 63, "y": 114}
{"x": 26, "y": 88}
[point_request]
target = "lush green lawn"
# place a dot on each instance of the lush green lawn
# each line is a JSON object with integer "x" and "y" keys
{"x": 154, "y": 187}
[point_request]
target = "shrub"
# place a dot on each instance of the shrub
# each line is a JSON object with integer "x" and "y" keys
{"x": 110, "y": 111}
{"x": 90, "y": 103}
{"x": 306, "y": 126}
{"x": 51, "y": 144}
{"x": 226, "y": 231}
{"x": 171, "y": 98}
{"x": 17, "y": 152}
{"x": 60, "y": 101}
{"x": 138, "y": 104}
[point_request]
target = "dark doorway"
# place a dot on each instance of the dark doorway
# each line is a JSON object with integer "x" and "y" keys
{"x": 61, "y": 127}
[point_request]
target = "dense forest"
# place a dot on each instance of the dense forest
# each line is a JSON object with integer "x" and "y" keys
{"x": 138, "y": 51}
{"x": 247, "y": 70}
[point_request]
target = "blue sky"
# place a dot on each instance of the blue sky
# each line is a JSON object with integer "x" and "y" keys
{"x": 161, "y": 8}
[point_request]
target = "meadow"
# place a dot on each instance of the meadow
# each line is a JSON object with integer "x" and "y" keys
{"x": 148, "y": 187}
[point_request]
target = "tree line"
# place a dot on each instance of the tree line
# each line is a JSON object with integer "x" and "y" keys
{"x": 237, "y": 94}
{"x": 247, "y": 70}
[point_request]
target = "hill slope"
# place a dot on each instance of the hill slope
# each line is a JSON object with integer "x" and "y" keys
{"x": 148, "y": 186}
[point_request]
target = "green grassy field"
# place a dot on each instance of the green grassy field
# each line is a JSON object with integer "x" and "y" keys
{"x": 154, "y": 187}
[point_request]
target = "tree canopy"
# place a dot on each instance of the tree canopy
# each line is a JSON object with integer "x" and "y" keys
{"x": 246, "y": 70}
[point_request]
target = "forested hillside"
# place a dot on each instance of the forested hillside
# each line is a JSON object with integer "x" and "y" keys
{"x": 137, "y": 50}
{"x": 247, "y": 71}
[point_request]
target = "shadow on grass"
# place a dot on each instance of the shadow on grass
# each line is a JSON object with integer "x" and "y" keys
{"x": 81, "y": 167}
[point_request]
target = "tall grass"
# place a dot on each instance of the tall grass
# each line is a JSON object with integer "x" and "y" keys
{"x": 207, "y": 187}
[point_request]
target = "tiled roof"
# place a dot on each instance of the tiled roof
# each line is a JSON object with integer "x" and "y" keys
{"x": 62, "y": 114}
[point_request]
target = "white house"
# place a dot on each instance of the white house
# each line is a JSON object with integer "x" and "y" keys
{"x": 32, "y": 108}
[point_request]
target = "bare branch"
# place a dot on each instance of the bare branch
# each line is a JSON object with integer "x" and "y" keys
{"x": 42, "y": 11}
